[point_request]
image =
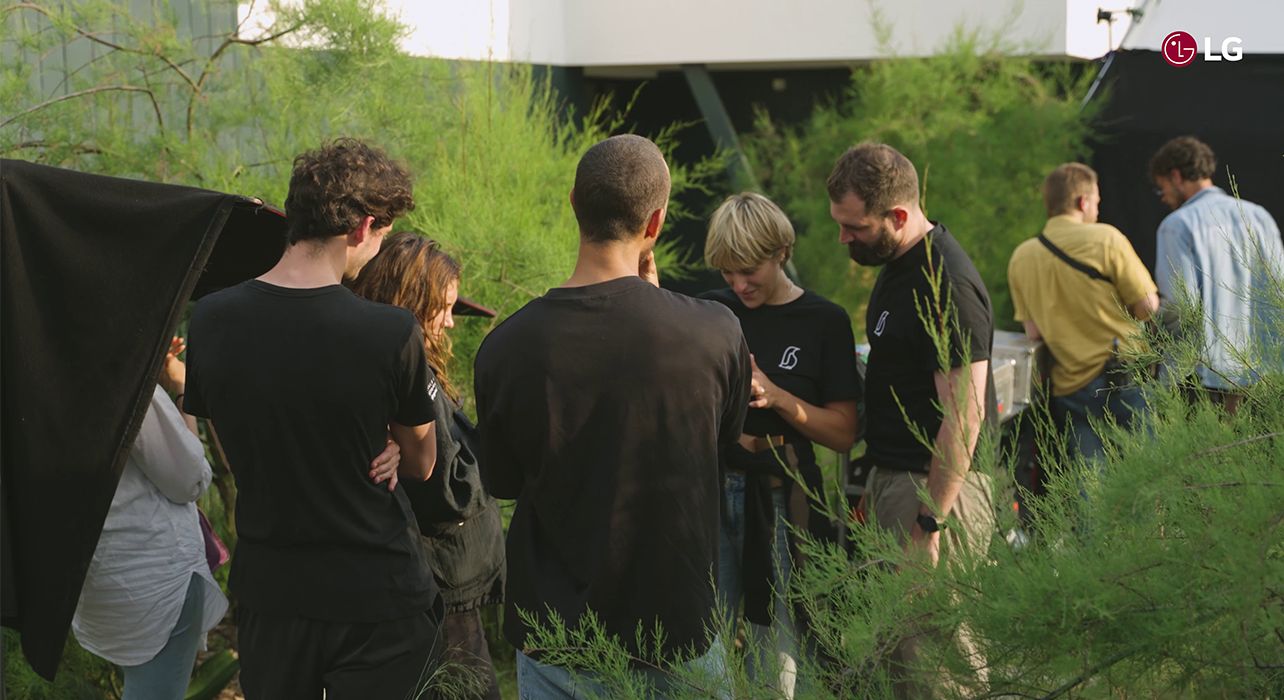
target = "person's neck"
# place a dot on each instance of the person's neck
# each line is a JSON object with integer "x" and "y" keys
{"x": 1075, "y": 215}
{"x": 603, "y": 262}
{"x": 308, "y": 264}
{"x": 784, "y": 291}
{"x": 916, "y": 228}
{"x": 1190, "y": 189}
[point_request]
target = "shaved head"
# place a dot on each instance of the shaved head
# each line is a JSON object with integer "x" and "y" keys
{"x": 619, "y": 183}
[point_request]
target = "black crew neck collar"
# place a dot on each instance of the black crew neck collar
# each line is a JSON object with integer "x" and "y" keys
{"x": 619, "y": 285}
{"x": 919, "y": 251}
{"x": 296, "y": 292}
{"x": 767, "y": 308}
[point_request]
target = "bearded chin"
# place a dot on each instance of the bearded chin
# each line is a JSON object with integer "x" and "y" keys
{"x": 871, "y": 255}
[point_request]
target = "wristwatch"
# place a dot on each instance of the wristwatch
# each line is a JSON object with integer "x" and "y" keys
{"x": 928, "y": 523}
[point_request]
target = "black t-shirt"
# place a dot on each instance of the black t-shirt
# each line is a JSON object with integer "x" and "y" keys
{"x": 603, "y": 410}
{"x": 302, "y": 385}
{"x": 806, "y": 347}
{"x": 903, "y": 358}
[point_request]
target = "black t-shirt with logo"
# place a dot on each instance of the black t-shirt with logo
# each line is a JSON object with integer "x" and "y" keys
{"x": 604, "y": 411}
{"x": 302, "y": 385}
{"x": 903, "y": 358}
{"x": 805, "y": 347}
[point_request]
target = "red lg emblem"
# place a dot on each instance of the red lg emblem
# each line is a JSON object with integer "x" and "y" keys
{"x": 1180, "y": 49}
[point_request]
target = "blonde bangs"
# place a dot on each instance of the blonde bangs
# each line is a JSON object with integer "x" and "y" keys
{"x": 746, "y": 230}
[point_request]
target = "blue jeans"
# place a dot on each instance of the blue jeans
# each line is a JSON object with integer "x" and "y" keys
{"x": 1125, "y": 404}
{"x": 731, "y": 539}
{"x": 167, "y": 675}
{"x": 780, "y": 640}
{"x": 539, "y": 681}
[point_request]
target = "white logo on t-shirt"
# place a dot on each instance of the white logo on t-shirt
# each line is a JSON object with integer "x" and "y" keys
{"x": 432, "y": 388}
{"x": 882, "y": 323}
{"x": 790, "y": 359}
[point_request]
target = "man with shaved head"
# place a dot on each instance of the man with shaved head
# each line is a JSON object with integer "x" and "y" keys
{"x": 604, "y": 407}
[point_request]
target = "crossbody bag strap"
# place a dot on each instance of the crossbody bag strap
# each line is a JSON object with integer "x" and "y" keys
{"x": 1065, "y": 258}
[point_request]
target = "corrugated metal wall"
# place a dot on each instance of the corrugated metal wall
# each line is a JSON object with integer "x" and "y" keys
{"x": 58, "y": 67}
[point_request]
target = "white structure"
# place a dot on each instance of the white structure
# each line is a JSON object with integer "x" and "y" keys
{"x": 628, "y": 37}
{"x": 803, "y": 33}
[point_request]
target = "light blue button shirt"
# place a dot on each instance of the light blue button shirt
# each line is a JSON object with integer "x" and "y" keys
{"x": 1226, "y": 254}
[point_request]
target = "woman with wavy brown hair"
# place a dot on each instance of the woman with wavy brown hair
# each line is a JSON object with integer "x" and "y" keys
{"x": 458, "y": 519}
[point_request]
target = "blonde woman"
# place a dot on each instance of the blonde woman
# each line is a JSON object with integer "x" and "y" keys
{"x": 804, "y": 392}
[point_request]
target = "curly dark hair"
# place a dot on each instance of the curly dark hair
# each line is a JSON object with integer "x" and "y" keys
{"x": 1188, "y": 156}
{"x": 877, "y": 173}
{"x": 334, "y": 187}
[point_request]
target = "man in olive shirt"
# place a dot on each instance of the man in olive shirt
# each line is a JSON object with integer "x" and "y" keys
{"x": 1080, "y": 288}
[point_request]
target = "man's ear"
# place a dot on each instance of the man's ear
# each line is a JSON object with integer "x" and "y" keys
{"x": 571, "y": 197}
{"x": 1174, "y": 176}
{"x": 654, "y": 223}
{"x": 358, "y": 235}
{"x": 899, "y": 216}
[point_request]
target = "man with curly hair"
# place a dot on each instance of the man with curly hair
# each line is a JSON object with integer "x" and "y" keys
{"x": 1222, "y": 255}
{"x": 305, "y": 381}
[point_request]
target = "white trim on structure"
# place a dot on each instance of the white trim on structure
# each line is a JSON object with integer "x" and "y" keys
{"x": 1258, "y": 24}
{"x": 629, "y": 36}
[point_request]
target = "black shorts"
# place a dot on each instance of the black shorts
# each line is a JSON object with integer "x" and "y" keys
{"x": 293, "y": 657}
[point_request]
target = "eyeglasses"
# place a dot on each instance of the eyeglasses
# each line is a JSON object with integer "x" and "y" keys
{"x": 1159, "y": 193}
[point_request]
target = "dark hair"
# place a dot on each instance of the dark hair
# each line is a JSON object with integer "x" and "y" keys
{"x": 1187, "y": 155}
{"x": 1063, "y": 187}
{"x": 413, "y": 272}
{"x": 618, "y": 184}
{"x": 878, "y": 174}
{"x": 334, "y": 187}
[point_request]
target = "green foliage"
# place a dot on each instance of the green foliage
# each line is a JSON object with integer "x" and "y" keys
{"x": 493, "y": 154}
{"x": 83, "y": 676}
{"x": 604, "y": 669}
{"x": 211, "y": 677}
{"x": 982, "y": 128}
{"x": 1164, "y": 582}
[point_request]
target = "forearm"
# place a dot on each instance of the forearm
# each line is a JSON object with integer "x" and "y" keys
{"x": 831, "y": 426}
{"x": 1145, "y": 307}
{"x": 177, "y": 389}
{"x": 961, "y": 393}
{"x": 188, "y": 419}
{"x": 418, "y": 449}
{"x": 955, "y": 443}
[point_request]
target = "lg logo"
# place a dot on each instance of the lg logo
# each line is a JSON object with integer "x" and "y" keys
{"x": 1180, "y": 49}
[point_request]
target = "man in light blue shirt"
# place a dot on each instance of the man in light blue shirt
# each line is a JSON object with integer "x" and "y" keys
{"x": 1225, "y": 253}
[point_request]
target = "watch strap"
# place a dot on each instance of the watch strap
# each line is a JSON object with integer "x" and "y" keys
{"x": 927, "y": 523}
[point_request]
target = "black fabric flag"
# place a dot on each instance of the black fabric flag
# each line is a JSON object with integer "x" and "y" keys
{"x": 1233, "y": 106}
{"x": 96, "y": 273}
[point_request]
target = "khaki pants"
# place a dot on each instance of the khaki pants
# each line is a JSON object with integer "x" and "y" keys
{"x": 892, "y": 499}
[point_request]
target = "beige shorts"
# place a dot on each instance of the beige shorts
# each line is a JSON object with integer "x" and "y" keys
{"x": 892, "y": 499}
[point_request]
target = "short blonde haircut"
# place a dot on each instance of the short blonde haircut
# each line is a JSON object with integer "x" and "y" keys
{"x": 745, "y": 231}
{"x": 1064, "y": 186}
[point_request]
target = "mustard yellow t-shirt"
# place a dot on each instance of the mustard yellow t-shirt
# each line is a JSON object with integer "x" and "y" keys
{"x": 1079, "y": 317}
